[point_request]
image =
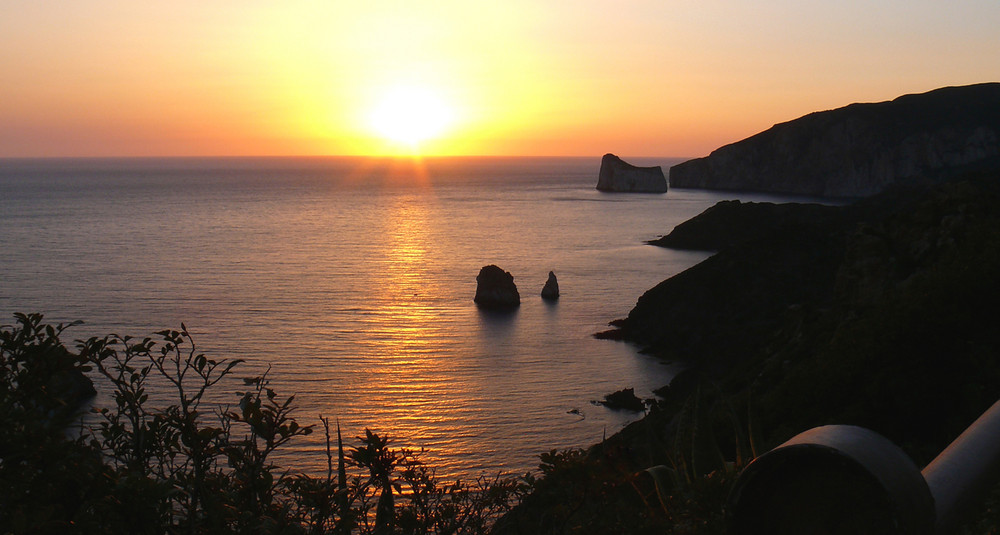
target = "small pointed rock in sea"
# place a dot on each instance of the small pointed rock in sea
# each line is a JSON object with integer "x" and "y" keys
{"x": 551, "y": 289}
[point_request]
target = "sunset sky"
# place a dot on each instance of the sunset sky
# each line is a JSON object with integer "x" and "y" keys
{"x": 518, "y": 77}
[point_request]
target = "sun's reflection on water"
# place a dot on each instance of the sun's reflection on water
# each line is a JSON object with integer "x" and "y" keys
{"x": 415, "y": 392}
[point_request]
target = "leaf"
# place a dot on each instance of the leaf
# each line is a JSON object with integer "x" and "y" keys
{"x": 232, "y": 365}
{"x": 753, "y": 429}
{"x": 706, "y": 456}
{"x": 666, "y": 479}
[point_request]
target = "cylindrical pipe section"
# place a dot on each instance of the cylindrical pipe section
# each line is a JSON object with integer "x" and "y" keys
{"x": 961, "y": 476}
{"x": 835, "y": 479}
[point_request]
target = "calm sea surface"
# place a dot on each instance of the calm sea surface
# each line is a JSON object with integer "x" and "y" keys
{"x": 353, "y": 280}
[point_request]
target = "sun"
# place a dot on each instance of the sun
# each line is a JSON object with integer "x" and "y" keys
{"x": 410, "y": 115}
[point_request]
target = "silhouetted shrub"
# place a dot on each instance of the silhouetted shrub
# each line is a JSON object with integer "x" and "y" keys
{"x": 181, "y": 466}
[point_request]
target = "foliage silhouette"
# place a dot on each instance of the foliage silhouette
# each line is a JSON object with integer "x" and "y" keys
{"x": 181, "y": 465}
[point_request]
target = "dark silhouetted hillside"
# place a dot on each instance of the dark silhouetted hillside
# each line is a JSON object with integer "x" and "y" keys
{"x": 860, "y": 149}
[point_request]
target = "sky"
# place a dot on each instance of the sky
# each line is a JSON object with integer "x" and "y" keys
{"x": 672, "y": 78}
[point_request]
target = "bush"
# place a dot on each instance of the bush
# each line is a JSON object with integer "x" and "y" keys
{"x": 178, "y": 466}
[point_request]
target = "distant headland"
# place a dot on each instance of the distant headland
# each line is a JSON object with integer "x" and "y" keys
{"x": 860, "y": 149}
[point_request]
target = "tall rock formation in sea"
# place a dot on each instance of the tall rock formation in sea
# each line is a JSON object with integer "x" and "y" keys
{"x": 618, "y": 176}
{"x": 550, "y": 292}
{"x": 859, "y": 150}
{"x": 495, "y": 289}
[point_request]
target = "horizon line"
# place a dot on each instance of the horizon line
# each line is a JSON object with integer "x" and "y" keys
{"x": 360, "y": 156}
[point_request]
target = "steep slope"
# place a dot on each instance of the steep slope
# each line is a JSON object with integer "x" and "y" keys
{"x": 860, "y": 149}
{"x": 878, "y": 314}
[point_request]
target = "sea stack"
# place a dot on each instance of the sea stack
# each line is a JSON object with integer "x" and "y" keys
{"x": 495, "y": 289}
{"x": 550, "y": 292}
{"x": 618, "y": 176}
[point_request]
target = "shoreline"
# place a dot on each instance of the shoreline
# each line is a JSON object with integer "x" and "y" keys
{"x": 867, "y": 350}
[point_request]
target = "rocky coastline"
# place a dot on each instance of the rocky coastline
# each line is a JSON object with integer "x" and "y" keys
{"x": 879, "y": 314}
{"x": 898, "y": 286}
{"x": 860, "y": 149}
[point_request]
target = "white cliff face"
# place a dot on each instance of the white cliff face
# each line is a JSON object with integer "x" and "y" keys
{"x": 619, "y": 176}
{"x": 860, "y": 149}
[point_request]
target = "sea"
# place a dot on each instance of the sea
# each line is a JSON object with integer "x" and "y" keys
{"x": 350, "y": 283}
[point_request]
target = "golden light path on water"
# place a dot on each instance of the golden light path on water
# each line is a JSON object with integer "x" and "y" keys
{"x": 409, "y": 383}
{"x": 436, "y": 376}
{"x": 352, "y": 281}
{"x": 416, "y": 384}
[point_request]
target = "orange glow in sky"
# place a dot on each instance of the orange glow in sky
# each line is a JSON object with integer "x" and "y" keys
{"x": 638, "y": 77}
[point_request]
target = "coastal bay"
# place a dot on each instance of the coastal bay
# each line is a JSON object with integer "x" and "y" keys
{"x": 354, "y": 280}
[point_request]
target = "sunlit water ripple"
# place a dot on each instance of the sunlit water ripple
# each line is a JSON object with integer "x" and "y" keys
{"x": 353, "y": 280}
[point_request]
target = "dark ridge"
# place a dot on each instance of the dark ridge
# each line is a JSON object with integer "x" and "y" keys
{"x": 860, "y": 149}
{"x": 879, "y": 314}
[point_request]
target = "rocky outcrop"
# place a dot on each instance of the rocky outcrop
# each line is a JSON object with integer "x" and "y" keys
{"x": 73, "y": 387}
{"x": 495, "y": 289}
{"x": 736, "y": 299}
{"x": 841, "y": 312}
{"x": 618, "y": 176}
{"x": 550, "y": 292}
{"x": 729, "y": 223}
{"x": 624, "y": 399}
{"x": 859, "y": 150}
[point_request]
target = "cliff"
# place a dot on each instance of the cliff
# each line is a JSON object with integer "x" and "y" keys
{"x": 860, "y": 149}
{"x": 878, "y": 313}
{"x": 618, "y": 176}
